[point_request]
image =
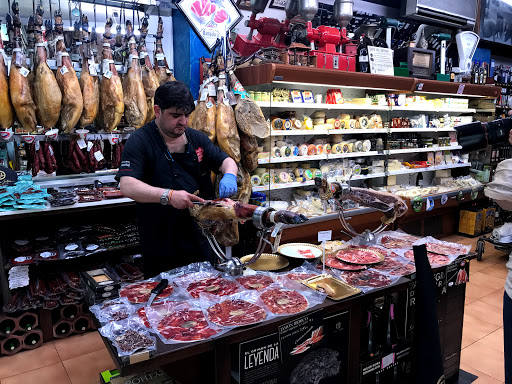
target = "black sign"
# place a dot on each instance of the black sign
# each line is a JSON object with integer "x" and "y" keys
{"x": 259, "y": 360}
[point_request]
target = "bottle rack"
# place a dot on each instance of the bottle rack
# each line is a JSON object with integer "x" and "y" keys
{"x": 71, "y": 319}
{"x": 19, "y": 332}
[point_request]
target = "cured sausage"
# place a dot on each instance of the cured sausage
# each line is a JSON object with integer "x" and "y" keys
{"x": 140, "y": 292}
{"x": 283, "y": 301}
{"x": 232, "y": 313}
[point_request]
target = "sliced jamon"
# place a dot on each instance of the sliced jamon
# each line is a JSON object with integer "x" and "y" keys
{"x": 434, "y": 259}
{"x": 132, "y": 340}
{"x": 214, "y": 285}
{"x": 300, "y": 276}
{"x": 341, "y": 265}
{"x": 142, "y": 314}
{"x": 398, "y": 242}
{"x": 359, "y": 255}
{"x": 140, "y": 292}
{"x": 404, "y": 270}
{"x": 185, "y": 325}
{"x": 446, "y": 249}
{"x": 389, "y": 263}
{"x": 255, "y": 281}
{"x": 282, "y": 301}
{"x": 371, "y": 279}
{"x": 232, "y": 313}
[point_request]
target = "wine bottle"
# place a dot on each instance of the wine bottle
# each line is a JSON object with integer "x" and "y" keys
{"x": 362, "y": 55}
{"x": 27, "y": 322}
{"x": 7, "y": 326}
{"x": 81, "y": 324}
{"x": 70, "y": 312}
{"x": 32, "y": 339}
{"x": 11, "y": 344}
{"x": 62, "y": 329}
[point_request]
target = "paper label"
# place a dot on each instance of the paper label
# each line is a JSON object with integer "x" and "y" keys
{"x": 160, "y": 56}
{"x": 63, "y": 70}
{"x": 324, "y": 235}
{"x": 107, "y": 74}
{"x": 276, "y": 230}
{"x": 81, "y": 143}
{"x": 209, "y": 105}
{"x": 92, "y": 68}
{"x": 38, "y": 145}
{"x": 98, "y": 156}
{"x": 24, "y": 71}
{"x": 387, "y": 360}
{"x": 226, "y": 101}
{"x": 419, "y": 86}
{"x": 50, "y": 149}
{"x": 89, "y": 146}
{"x": 59, "y": 59}
{"x": 381, "y": 61}
{"x": 204, "y": 95}
{"x": 211, "y": 90}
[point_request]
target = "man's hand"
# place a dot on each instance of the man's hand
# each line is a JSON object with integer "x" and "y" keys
{"x": 183, "y": 199}
{"x": 227, "y": 185}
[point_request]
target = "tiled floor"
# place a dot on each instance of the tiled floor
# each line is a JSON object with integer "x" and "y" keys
{"x": 80, "y": 359}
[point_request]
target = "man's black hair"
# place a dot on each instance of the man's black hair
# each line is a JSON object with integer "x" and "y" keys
{"x": 174, "y": 94}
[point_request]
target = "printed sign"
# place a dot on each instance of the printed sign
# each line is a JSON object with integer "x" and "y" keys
{"x": 259, "y": 360}
{"x": 210, "y": 20}
{"x": 324, "y": 235}
{"x": 381, "y": 61}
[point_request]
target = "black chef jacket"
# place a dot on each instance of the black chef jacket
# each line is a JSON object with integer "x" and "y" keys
{"x": 169, "y": 237}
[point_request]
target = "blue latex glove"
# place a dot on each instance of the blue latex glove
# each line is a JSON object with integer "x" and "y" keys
{"x": 227, "y": 185}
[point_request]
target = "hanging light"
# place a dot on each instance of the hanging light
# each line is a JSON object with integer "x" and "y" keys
{"x": 76, "y": 12}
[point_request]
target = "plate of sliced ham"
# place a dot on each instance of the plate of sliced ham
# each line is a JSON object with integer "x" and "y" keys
{"x": 359, "y": 255}
{"x": 300, "y": 250}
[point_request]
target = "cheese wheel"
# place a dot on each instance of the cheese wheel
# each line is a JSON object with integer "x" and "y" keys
{"x": 308, "y": 174}
{"x": 344, "y": 147}
{"x": 358, "y": 146}
{"x": 318, "y": 121}
{"x": 260, "y": 171}
{"x": 330, "y": 122}
{"x": 308, "y": 124}
{"x": 296, "y": 124}
{"x": 299, "y": 172}
{"x": 277, "y": 124}
{"x": 295, "y": 150}
{"x": 350, "y": 147}
{"x": 327, "y": 148}
{"x": 276, "y": 152}
{"x": 263, "y": 155}
{"x": 364, "y": 122}
{"x": 285, "y": 151}
{"x": 367, "y": 146}
{"x": 303, "y": 150}
{"x": 337, "y": 124}
{"x": 299, "y": 179}
{"x": 306, "y": 166}
{"x": 356, "y": 169}
{"x": 317, "y": 173}
{"x": 319, "y": 114}
{"x": 255, "y": 180}
{"x": 265, "y": 178}
{"x": 287, "y": 124}
{"x": 292, "y": 176}
{"x": 352, "y": 124}
{"x": 336, "y": 148}
{"x": 284, "y": 177}
{"x": 311, "y": 150}
{"x": 319, "y": 149}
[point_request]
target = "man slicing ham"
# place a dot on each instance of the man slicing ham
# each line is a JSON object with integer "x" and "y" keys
{"x": 163, "y": 165}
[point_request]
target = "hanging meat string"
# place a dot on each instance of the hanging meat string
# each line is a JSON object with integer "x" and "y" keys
{"x": 19, "y": 86}
{"x": 111, "y": 90}
{"x": 150, "y": 79}
{"x": 47, "y": 94}
{"x": 89, "y": 81}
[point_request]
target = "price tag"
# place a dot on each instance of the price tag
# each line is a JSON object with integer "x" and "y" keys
{"x": 226, "y": 101}
{"x": 63, "y": 70}
{"x": 204, "y": 95}
{"x": 211, "y": 90}
{"x": 167, "y": 70}
{"x": 89, "y": 146}
{"x": 276, "y": 230}
{"x": 387, "y": 360}
{"x": 419, "y": 86}
{"x": 209, "y": 105}
{"x": 460, "y": 90}
{"x": 38, "y": 145}
{"x": 108, "y": 74}
{"x": 81, "y": 143}
{"x": 24, "y": 71}
{"x": 324, "y": 235}
{"x": 98, "y": 156}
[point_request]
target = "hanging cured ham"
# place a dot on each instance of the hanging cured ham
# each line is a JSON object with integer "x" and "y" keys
{"x": 72, "y": 101}
{"x": 161, "y": 67}
{"x": 47, "y": 94}
{"x": 111, "y": 90}
{"x": 150, "y": 79}
{"x": 204, "y": 117}
{"x": 89, "y": 82}
{"x": 19, "y": 86}
{"x": 135, "y": 105}
{"x": 6, "y": 109}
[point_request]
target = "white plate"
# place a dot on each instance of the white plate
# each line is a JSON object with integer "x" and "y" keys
{"x": 293, "y": 250}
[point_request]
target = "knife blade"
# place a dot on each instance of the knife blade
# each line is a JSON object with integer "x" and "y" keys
{"x": 157, "y": 290}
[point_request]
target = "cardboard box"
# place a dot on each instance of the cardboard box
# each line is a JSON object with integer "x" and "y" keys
{"x": 101, "y": 281}
{"x": 470, "y": 222}
{"x": 488, "y": 215}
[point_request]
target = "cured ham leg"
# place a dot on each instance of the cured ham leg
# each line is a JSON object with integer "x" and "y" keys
{"x": 6, "y": 109}
{"x": 111, "y": 90}
{"x": 150, "y": 79}
{"x": 19, "y": 86}
{"x": 89, "y": 84}
{"x": 72, "y": 101}
{"x": 161, "y": 67}
{"x": 204, "y": 117}
{"x": 47, "y": 94}
{"x": 135, "y": 105}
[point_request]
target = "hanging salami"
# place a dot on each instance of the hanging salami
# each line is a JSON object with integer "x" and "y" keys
{"x": 140, "y": 292}
{"x": 283, "y": 301}
{"x": 232, "y": 313}
{"x": 256, "y": 282}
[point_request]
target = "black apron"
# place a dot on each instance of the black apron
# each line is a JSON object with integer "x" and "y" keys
{"x": 170, "y": 237}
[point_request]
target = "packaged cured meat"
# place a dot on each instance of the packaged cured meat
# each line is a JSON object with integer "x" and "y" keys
{"x": 128, "y": 336}
{"x": 116, "y": 312}
{"x": 255, "y": 280}
{"x": 434, "y": 259}
{"x": 237, "y": 310}
{"x": 359, "y": 255}
{"x": 138, "y": 293}
{"x": 204, "y": 266}
{"x": 71, "y": 250}
{"x": 396, "y": 240}
{"x": 404, "y": 270}
{"x": 289, "y": 297}
{"x": 210, "y": 282}
{"x": 296, "y": 275}
{"x": 333, "y": 262}
{"x": 392, "y": 261}
{"x": 92, "y": 247}
{"x": 367, "y": 280}
{"x": 181, "y": 322}
{"x": 444, "y": 247}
